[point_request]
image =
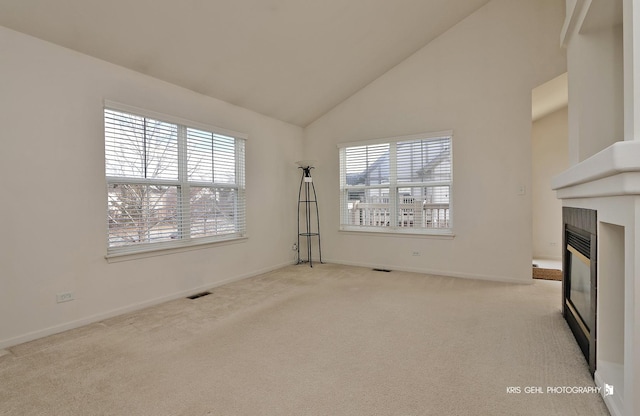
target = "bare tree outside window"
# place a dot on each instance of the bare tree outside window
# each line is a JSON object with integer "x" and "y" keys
{"x": 142, "y": 213}
{"x": 141, "y": 148}
{"x": 170, "y": 182}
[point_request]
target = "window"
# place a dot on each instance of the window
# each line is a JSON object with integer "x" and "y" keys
{"x": 170, "y": 184}
{"x": 400, "y": 185}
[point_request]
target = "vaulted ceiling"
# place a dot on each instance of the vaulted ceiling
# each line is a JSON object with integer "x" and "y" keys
{"x": 293, "y": 60}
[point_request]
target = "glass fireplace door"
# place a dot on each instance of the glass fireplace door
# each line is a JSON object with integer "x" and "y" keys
{"x": 580, "y": 287}
{"x": 580, "y": 280}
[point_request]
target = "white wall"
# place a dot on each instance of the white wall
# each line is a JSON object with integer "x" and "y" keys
{"x": 596, "y": 91}
{"x": 54, "y": 192}
{"x": 475, "y": 79}
{"x": 549, "y": 145}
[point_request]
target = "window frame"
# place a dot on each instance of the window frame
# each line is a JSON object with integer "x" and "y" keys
{"x": 182, "y": 183}
{"x": 393, "y": 186}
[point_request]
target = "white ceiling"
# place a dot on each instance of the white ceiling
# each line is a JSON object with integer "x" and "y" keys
{"x": 293, "y": 60}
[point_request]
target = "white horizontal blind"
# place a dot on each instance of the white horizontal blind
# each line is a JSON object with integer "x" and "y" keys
{"x": 402, "y": 185}
{"x": 170, "y": 184}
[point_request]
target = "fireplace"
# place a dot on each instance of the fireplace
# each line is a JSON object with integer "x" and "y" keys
{"x": 600, "y": 197}
{"x": 579, "y": 284}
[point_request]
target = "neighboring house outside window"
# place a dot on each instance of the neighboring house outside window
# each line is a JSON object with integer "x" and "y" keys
{"x": 400, "y": 185}
{"x": 170, "y": 184}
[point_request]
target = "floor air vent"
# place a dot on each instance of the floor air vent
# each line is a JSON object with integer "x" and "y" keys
{"x": 382, "y": 270}
{"x": 198, "y": 295}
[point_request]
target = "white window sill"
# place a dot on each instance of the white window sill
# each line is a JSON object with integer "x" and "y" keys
{"x": 172, "y": 249}
{"x": 439, "y": 234}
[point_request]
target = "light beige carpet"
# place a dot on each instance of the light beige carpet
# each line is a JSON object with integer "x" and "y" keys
{"x": 332, "y": 340}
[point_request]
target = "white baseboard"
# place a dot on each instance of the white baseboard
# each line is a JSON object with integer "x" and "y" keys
{"x": 56, "y": 329}
{"x": 435, "y": 272}
{"x": 614, "y": 402}
{"x": 552, "y": 258}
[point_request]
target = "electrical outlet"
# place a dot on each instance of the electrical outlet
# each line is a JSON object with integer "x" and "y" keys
{"x": 64, "y": 297}
{"x": 415, "y": 253}
{"x": 294, "y": 247}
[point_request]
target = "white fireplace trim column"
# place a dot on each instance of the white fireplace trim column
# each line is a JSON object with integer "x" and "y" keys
{"x": 609, "y": 182}
{"x": 602, "y": 38}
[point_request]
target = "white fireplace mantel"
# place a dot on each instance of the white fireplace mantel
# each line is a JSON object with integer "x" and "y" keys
{"x": 614, "y": 171}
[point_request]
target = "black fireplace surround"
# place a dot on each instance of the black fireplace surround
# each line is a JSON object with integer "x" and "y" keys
{"x": 579, "y": 283}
